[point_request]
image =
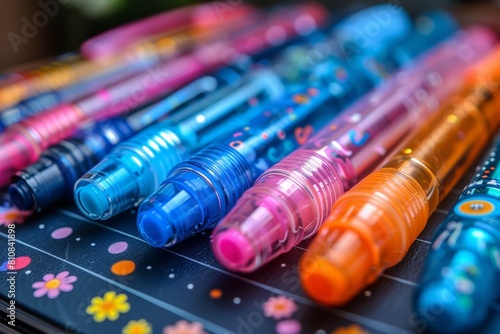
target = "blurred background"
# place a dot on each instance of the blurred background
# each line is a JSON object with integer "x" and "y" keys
{"x": 62, "y": 25}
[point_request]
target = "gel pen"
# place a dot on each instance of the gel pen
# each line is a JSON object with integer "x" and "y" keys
{"x": 373, "y": 225}
{"x": 462, "y": 270}
{"x": 292, "y": 199}
{"x": 23, "y": 142}
{"x": 53, "y": 176}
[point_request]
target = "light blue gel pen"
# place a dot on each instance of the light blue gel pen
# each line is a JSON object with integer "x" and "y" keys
{"x": 135, "y": 168}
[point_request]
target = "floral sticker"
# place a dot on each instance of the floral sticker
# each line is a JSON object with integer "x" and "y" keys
{"x": 108, "y": 307}
{"x": 53, "y": 285}
{"x": 184, "y": 327}
{"x": 279, "y": 307}
{"x": 140, "y": 326}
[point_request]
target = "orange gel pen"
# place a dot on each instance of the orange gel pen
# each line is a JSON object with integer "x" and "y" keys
{"x": 372, "y": 226}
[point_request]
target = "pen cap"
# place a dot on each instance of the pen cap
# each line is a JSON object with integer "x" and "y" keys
{"x": 129, "y": 173}
{"x": 45, "y": 181}
{"x": 258, "y": 228}
{"x": 22, "y": 143}
{"x": 358, "y": 241}
{"x": 461, "y": 274}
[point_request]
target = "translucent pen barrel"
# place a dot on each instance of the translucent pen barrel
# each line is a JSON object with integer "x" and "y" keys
{"x": 294, "y": 197}
{"x": 462, "y": 270}
{"x": 23, "y": 142}
{"x": 202, "y": 189}
{"x": 135, "y": 168}
{"x": 170, "y": 22}
{"x": 48, "y": 100}
{"x": 57, "y": 75}
{"x": 53, "y": 176}
{"x": 373, "y": 225}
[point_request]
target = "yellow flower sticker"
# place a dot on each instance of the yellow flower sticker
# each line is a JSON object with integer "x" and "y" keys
{"x": 109, "y": 307}
{"x": 140, "y": 326}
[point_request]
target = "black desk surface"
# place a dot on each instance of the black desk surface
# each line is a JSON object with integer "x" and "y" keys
{"x": 186, "y": 282}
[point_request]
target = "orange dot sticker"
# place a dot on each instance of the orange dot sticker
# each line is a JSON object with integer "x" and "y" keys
{"x": 475, "y": 207}
{"x": 123, "y": 268}
{"x": 215, "y": 293}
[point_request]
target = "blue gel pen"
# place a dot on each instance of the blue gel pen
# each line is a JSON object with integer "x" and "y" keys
{"x": 379, "y": 61}
{"x": 202, "y": 189}
{"x": 135, "y": 168}
{"x": 51, "y": 99}
{"x": 53, "y": 176}
{"x": 461, "y": 276}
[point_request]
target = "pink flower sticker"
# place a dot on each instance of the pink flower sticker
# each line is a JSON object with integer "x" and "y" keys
{"x": 279, "y": 307}
{"x": 184, "y": 327}
{"x": 53, "y": 285}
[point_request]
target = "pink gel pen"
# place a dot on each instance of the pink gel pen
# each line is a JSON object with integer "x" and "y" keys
{"x": 202, "y": 16}
{"x": 290, "y": 201}
{"x": 22, "y": 144}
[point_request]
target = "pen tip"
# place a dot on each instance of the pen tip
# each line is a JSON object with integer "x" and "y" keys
{"x": 92, "y": 201}
{"x": 21, "y": 195}
{"x": 322, "y": 281}
{"x": 155, "y": 231}
{"x": 233, "y": 249}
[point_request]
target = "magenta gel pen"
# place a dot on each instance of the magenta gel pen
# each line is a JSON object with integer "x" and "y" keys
{"x": 290, "y": 201}
{"x": 23, "y": 143}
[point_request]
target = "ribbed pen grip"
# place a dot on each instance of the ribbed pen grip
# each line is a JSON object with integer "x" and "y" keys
{"x": 226, "y": 170}
{"x": 52, "y": 126}
{"x": 389, "y": 207}
{"x": 22, "y": 144}
{"x": 317, "y": 185}
{"x": 371, "y": 227}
